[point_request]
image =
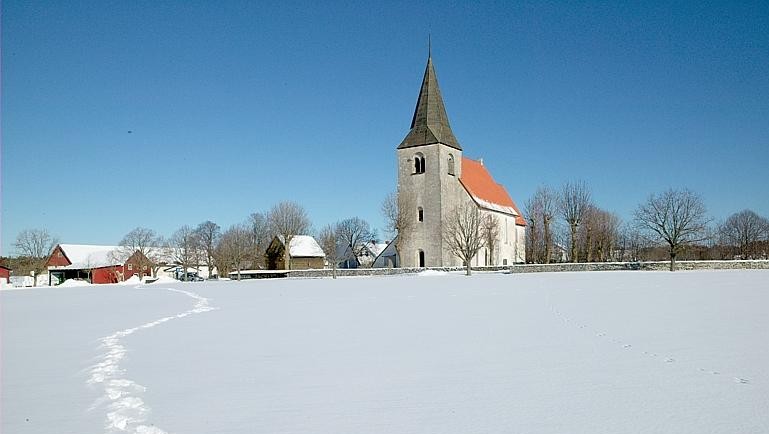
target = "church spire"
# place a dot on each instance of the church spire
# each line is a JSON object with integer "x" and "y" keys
{"x": 430, "y": 123}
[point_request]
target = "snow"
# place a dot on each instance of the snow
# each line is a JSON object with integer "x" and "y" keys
{"x": 494, "y": 206}
{"x": 73, "y": 282}
{"x": 164, "y": 279}
{"x": 641, "y": 352}
{"x": 83, "y": 256}
{"x": 133, "y": 280}
{"x": 305, "y": 246}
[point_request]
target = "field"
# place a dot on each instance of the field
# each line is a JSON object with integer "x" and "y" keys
{"x": 640, "y": 352}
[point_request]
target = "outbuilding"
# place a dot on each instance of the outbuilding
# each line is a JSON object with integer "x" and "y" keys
{"x": 97, "y": 264}
{"x": 304, "y": 254}
{"x": 5, "y": 273}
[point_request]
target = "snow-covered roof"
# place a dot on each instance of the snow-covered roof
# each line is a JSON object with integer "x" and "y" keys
{"x": 376, "y": 248}
{"x": 305, "y": 246}
{"x": 84, "y": 256}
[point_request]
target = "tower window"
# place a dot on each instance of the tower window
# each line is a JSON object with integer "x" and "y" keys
{"x": 419, "y": 163}
{"x": 451, "y": 164}
{"x": 420, "y": 214}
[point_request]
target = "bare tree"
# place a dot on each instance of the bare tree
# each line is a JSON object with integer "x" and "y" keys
{"x": 573, "y": 204}
{"x": 261, "y": 235}
{"x": 490, "y": 231}
{"x": 185, "y": 246}
{"x": 533, "y": 237}
{"x": 233, "y": 248}
{"x": 208, "y": 234}
{"x": 288, "y": 219}
{"x": 541, "y": 210}
{"x": 142, "y": 246}
{"x": 676, "y": 217}
{"x": 354, "y": 233}
{"x": 630, "y": 243}
{"x": 398, "y": 218}
{"x": 463, "y": 234}
{"x": 744, "y": 230}
{"x": 607, "y": 235}
{"x": 599, "y": 234}
{"x": 35, "y": 245}
{"x": 329, "y": 238}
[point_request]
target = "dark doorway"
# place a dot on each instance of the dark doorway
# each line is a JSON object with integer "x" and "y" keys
{"x": 421, "y": 259}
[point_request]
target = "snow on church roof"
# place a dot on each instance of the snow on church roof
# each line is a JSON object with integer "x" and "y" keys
{"x": 486, "y": 192}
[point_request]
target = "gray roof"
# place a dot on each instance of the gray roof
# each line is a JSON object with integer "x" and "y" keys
{"x": 430, "y": 123}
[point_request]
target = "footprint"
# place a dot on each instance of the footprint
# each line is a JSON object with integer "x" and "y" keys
{"x": 741, "y": 380}
{"x": 626, "y": 346}
{"x": 715, "y": 372}
{"x": 600, "y": 334}
{"x": 670, "y": 360}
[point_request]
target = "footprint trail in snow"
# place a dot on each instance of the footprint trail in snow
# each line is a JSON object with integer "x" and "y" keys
{"x": 126, "y": 410}
{"x": 666, "y": 359}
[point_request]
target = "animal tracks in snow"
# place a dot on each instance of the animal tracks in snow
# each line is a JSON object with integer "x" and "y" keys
{"x": 126, "y": 411}
{"x": 602, "y": 334}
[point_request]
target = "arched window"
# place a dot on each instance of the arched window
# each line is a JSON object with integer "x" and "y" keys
{"x": 451, "y": 164}
{"x": 421, "y": 258}
{"x": 419, "y": 163}
{"x": 420, "y": 214}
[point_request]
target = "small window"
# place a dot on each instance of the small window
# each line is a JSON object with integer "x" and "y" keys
{"x": 504, "y": 262}
{"x": 130, "y": 267}
{"x": 58, "y": 254}
{"x": 420, "y": 214}
{"x": 419, "y": 163}
{"x": 451, "y": 165}
{"x": 144, "y": 267}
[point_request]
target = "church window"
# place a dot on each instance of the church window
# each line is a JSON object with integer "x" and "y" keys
{"x": 420, "y": 214}
{"x": 451, "y": 164}
{"x": 419, "y": 163}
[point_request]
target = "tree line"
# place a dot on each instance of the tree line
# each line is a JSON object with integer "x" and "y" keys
{"x": 233, "y": 249}
{"x": 565, "y": 225}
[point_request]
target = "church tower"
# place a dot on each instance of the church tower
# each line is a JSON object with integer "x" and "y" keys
{"x": 429, "y": 169}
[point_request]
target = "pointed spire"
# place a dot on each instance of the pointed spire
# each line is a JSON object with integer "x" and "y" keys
{"x": 430, "y": 123}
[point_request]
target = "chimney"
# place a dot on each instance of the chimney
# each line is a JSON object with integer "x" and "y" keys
{"x": 480, "y": 160}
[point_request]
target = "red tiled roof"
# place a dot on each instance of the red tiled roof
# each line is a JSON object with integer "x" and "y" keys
{"x": 486, "y": 192}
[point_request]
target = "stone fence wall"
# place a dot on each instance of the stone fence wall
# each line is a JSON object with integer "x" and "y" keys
{"x": 546, "y": 268}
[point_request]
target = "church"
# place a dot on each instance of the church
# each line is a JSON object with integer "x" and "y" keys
{"x": 434, "y": 178}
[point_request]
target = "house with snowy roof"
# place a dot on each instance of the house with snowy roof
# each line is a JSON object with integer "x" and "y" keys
{"x": 97, "y": 264}
{"x": 304, "y": 253}
{"x": 434, "y": 178}
{"x": 364, "y": 257}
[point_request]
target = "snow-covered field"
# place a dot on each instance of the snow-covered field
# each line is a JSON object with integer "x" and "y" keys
{"x": 612, "y": 352}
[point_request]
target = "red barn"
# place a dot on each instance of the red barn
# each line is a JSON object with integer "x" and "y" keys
{"x": 99, "y": 264}
{"x": 5, "y": 273}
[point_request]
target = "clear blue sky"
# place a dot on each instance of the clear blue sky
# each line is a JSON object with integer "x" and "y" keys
{"x": 234, "y": 106}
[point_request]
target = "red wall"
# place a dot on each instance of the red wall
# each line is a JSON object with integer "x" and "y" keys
{"x": 57, "y": 258}
{"x": 6, "y": 273}
{"x": 110, "y": 274}
{"x": 105, "y": 275}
